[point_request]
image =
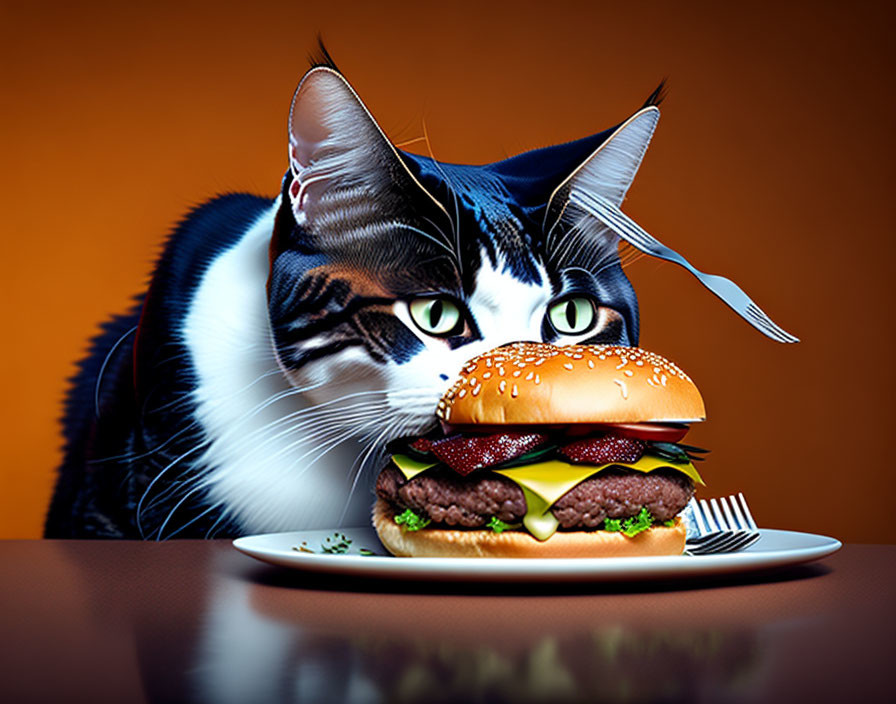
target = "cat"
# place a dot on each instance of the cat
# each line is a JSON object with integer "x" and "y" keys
{"x": 283, "y": 342}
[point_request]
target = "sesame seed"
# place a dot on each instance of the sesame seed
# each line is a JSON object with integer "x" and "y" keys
{"x": 517, "y": 372}
{"x": 628, "y": 372}
{"x": 476, "y": 390}
{"x": 529, "y": 376}
{"x": 663, "y": 379}
{"x": 540, "y": 362}
{"x": 537, "y": 379}
{"x": 463, "y": 392}
{"x": 487, "y": 375}
{"x": 640, "y": 362}
{"x": 514, "y": 392}
{"x": 488, "y": 363}
{"x": 500, "y": 371}
{"x": 567, "y": 365}
{"x": 622, "y": 387}
{"x": 502, "y": 386}
{"x": 473, "y": 381}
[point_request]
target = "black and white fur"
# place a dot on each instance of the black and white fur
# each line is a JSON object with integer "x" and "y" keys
{"x": 253, "y": 386}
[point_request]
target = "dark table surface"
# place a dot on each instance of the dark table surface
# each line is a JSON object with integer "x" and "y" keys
{"x": 197, "y": 621}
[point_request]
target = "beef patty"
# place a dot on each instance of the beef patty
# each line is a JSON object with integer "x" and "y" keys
{"x": 470, "y": 502}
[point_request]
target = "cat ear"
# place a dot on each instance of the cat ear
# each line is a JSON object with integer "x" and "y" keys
{"x": 334, "y": 142}
{"x": 610, "y": 169}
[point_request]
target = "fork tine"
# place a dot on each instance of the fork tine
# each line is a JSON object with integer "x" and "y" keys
{"x": 707, "y": 514}
{"x": 717, "y": 513}
{"x": 751, "y": 540}
{"x": 732, "y": 524}
{"x": 756, "y": 310}
{"x": 760, "y": 318}
{"x": 762, "y": 321}
{"x": 741, "y": 521}
{"x": 697, "y": 513}
{"x": 743, "y": 540}
{"x": 750, "y": 522}
{"x": 725, "y": 542}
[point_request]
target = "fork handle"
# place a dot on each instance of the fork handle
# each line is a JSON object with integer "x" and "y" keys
{"x": 726, "y": 290}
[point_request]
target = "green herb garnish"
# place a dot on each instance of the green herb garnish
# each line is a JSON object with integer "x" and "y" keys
{"x": 638, "y": 524}
{"x": 499, "y": 526}
{"x": 411, "y": 521}
{"x": 338, "y": 544}
{"x": 670, "y": 523}
{"x": 365, "y": 552}
{"x": 633, "y": 525}
{"x": 612, "y": 524}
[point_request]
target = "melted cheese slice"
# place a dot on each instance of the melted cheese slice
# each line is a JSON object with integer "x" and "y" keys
{"x": 539, "y": 520}
{"x": 552, "y": 479}
{"x": 410, "y": 467}
{"x": 545, "y": 482}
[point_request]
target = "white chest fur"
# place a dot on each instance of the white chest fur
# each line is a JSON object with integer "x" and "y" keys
{"x": 264, "y": 472}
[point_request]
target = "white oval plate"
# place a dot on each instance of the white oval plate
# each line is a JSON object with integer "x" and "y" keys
{"x": 774, "y": 549}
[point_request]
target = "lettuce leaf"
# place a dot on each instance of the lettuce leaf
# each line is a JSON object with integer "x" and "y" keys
{"x": 638, "y": 524}
{"x": 499, "y": 526}
{"x": 411, "y": 521}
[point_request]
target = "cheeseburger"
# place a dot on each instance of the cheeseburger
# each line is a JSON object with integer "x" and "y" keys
{"x": 547, "y": 451}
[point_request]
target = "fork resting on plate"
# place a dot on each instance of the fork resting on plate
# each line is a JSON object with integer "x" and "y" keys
{"x": 719, "y": 525}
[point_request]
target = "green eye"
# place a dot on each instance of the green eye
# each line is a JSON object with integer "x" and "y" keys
{"x": 572, "y": 316}
{"x": 436, "y": 316}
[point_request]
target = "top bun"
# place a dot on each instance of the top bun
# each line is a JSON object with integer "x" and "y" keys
{"x": 531, "y": 383}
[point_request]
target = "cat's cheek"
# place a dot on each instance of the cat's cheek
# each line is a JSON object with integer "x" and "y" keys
{"x": 342, "y": 374}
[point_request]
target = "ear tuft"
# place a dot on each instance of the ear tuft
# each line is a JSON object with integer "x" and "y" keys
{"x": 657, "y": 97}
{"x": 320, "y": 58}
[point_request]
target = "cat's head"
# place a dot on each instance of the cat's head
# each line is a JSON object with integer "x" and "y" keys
{"x": 389, "y": 270}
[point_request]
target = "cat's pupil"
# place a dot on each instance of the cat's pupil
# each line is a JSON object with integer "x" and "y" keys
{"x": 435, "y": 313}
{"x": 571, "y": 314}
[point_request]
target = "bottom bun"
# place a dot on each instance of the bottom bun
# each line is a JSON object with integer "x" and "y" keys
{"x": 440, "y": 542}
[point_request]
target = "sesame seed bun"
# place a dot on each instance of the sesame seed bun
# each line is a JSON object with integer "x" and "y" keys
{"x": 658, "y": 540}
{"x": 529, "y": 383}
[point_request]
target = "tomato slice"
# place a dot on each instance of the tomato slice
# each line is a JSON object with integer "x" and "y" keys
{"x": 659, "y": 432}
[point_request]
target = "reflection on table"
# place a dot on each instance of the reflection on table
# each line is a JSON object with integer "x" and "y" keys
{"x": 196, "y": 621}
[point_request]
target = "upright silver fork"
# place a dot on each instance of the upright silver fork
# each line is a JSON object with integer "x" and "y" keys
{"x": 634, "y": 234}
{"x": 719, "y": 525}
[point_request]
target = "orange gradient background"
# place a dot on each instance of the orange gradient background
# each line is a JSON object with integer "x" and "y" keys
{"x": 772, "y": 164}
